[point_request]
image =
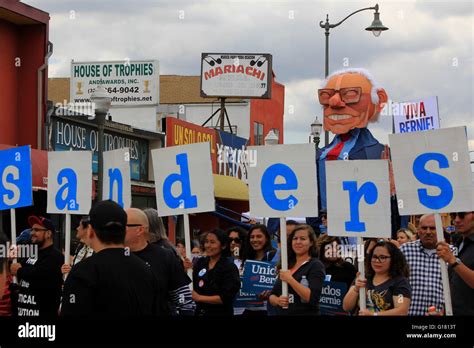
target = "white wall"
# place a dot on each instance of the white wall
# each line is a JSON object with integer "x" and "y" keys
{"x": 239, "y": 115}
{"x": 138, "y": 117}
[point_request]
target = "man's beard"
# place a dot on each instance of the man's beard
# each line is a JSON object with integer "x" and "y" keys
{"x": 39, "y": 243}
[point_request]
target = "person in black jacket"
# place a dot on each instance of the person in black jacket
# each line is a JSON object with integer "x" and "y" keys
{"x": 112, "y": 283}
{"x": 175, "y": 295}
{"x": 39, "y": 276}
{"x": 305, "y": 276}
{"x": 331, "y": 255}
{"x": 216, "y": 279}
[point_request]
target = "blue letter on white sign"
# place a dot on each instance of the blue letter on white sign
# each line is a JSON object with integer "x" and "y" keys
{"x": 71, "y": 186}
{"x": 432, "y": 179}
{"x": 268, "y": 186}
{"x": 116, "y": 176}
{"x": 189, "y": 201}
{"x": 370, "y": 194}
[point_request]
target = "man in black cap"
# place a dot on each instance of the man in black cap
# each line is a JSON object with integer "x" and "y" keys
{"x": 39, "y": 276}
{"x": 113, "y": 282}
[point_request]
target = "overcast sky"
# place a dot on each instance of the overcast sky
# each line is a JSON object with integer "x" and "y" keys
{"x": 428, "y": 50}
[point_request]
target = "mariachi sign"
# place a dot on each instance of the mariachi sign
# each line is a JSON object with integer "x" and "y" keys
{"x": 179, "y": 132}
{"x": 68, "y": 135}
{"x": 236, "y": 75}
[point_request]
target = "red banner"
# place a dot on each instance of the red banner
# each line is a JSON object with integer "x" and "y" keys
{"x": 179, "y": 132}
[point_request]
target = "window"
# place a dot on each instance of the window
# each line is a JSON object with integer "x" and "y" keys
{"x": 257, "y": 133}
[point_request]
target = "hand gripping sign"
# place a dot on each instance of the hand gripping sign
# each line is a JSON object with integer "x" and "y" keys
{"x": 433, "y": 175}
{"x": 282, "y": 184}
{"x": 16, "y": 188}
{"x": 184, "y": 182}
{"x": 69, "y": 187}
{"x": 117, "y": 185}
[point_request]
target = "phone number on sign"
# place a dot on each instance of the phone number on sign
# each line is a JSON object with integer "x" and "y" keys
{"x": 123, "y": 89}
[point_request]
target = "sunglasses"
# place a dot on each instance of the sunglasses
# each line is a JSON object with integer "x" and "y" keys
{"x": 235, "y": 240}
{"x": 461, "y": 215}
{"x": 134, "y": 225}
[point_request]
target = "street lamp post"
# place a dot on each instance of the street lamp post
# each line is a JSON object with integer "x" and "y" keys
{"x": 271, "y": 138}
{"x": 376, "y": 28}
{"x": 101, "y": 101}
{"x": 316, "y": 128}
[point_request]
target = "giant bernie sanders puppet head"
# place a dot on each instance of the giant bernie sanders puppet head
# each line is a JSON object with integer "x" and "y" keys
{"x": 350, "y": 99}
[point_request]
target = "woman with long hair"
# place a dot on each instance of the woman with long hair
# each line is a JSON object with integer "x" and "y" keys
{"x": 216, "y": 279}
{"x": 82, "y": 251}
{"x": 258, "y": 244}
{"x": 157, "y": 232}
{"x": 237, "y": 236}
{"x": 388, "y": 291}
{"x": 331, "y": 255}
{"x": 258, "y": 247}
{"x": 305, "y": 276}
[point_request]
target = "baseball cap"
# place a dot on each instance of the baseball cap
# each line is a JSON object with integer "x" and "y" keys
{"x": 42, "y": 221}
{"x": 24, "y": 237}
{"x": 106, "y": 214}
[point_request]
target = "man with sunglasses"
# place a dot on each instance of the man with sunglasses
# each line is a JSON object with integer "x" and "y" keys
{"x": 174, "y": 297}
{"x": 39, "y": 277}
{"x": 461, "y": 267}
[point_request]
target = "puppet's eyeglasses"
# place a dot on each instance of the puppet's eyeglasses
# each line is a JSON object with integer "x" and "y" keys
{"x": 349, "y": 95}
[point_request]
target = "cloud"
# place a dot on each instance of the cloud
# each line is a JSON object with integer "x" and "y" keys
{"x": 427, "y": 50}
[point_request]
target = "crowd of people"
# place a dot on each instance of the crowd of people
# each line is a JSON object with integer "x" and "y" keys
{"x": 124, "y": 265}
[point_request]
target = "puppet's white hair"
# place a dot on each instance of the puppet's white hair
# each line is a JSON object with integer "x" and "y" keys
{"x": 366, "y": 74}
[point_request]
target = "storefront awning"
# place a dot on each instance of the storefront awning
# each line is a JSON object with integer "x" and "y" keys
{"x": 39, "y": 166}
{"x": 229, "y": 187}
